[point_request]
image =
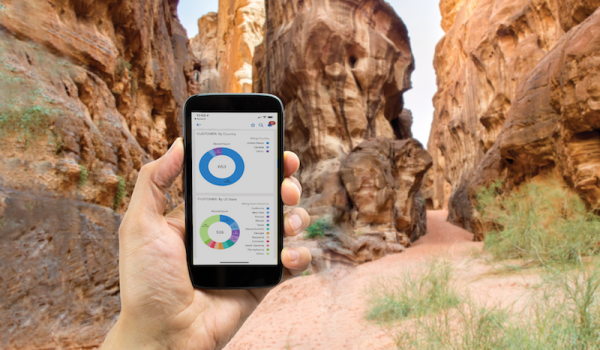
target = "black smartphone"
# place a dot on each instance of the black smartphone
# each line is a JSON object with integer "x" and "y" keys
{"x": 232, "y": 178}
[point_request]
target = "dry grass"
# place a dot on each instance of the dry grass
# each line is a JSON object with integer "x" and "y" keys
{"x": 543, "y": 224}
{"x": 563, "y": 313}
{"x": 415, "y": 294}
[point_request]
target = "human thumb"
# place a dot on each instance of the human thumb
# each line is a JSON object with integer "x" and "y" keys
{"x": 155, "y": 179}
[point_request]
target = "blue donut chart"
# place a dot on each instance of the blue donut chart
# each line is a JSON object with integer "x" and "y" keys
{"x": 218, "y": 152}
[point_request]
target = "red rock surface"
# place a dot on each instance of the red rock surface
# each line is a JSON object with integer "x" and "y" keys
{"x": 91, "y": 90}
{"x": 341, "y": 68}
{"x": 554, "y": 128}
{"x": 204, "y": 46}
{"x": 501, "y": 113}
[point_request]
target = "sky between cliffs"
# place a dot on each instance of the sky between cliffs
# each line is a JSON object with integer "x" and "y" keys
{"x": 422, "y": 18}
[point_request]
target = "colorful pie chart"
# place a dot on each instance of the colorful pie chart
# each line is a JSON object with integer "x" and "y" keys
{"x": 221, "y": 152}
{"x": 235, "y": 232}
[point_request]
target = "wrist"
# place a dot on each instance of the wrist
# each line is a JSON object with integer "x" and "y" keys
{"x": 125, "y": 334}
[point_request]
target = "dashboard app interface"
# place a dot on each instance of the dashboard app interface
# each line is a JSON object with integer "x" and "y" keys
{"x": 235, "y": 188}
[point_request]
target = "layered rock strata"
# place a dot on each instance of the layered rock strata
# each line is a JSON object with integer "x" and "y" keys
{"x": 341, "y": 68}
{"x": 90, "y": 92}
{"x": 493, "y": 61}
{"x": 225, "y": 44}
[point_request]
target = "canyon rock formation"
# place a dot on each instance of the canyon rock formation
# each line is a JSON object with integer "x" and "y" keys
{"x": 91, "y": 91}
{"x": 225, "y": 45}
{"x": 517, "y": 97}
{"x": 341, "y": 68}
{"x": 554, "y": 127}
{"x": 204, "y": 47}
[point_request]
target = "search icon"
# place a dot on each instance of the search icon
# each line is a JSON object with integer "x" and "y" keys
{"x": 261, "y": 125}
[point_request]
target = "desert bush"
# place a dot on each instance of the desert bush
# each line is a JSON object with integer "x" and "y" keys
{"x": 544, "y": 223}
{"x": 414, "y": 294}
{"x": 317, "y": 230}
{"x": 468, "y": 326}
{"x": 120, "y": 194}
{"x": 562, "y": 313}
{"x": 83, "y": 176}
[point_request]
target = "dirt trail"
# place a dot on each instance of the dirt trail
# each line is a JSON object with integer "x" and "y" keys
{"x": 327, "y": 310}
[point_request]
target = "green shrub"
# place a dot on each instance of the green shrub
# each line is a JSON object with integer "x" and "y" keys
{"x": 468, "y": 327}
{"x": 414, "y": 295}
{"x": 83, "y": 176}
{"x": 543, "y": 223}
{"x": 562, "y": 313}
{"x": 317, "y": 230}
{"x": 565, "y": 314}
{"x": 120, "y": 194}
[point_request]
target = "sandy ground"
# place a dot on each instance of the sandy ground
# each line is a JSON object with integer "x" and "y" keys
{"x": 327, "y": 310}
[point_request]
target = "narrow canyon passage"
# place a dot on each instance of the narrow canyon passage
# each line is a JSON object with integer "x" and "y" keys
{"x": 327, "y": 310}
{"x": 91, "y": 91}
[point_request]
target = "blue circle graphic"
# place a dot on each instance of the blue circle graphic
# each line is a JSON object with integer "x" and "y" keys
{"x": 226, "y": 152}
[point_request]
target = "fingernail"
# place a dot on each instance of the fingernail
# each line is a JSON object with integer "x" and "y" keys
{"x": 296, "y": 223}
{"x": 173, "y": 145}
{"x": 293, "y": 255}
{"x": 298, "y": 188}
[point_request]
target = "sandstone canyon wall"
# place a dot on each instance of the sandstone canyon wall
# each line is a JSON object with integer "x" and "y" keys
{"x": 90, "y": 91}
{"x": 204, "y": 47}
{"x": 517, "y": 97}
{"x": 225, "y": 45}
{"x": 341, "y": 68}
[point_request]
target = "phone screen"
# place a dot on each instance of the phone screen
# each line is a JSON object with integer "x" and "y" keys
{"x": 234, "y": 185}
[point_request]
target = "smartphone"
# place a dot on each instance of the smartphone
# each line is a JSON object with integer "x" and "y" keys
{"x": 232, "y": 177}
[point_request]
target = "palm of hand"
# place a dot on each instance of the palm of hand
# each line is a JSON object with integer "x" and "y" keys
{"x": 160, "y": 307}
{"x": 163, "y": 293}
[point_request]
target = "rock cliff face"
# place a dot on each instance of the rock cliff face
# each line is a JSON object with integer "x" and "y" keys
{"x": 90, "y": 91}
{"x": 554, "y": 127}
{"x": 341, "y": 68}
{"x": 505, "y": 104}
{"x": 225, "y": 44}
{"x": 204, "y": 47}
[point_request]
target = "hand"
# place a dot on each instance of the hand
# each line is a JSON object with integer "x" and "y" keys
{"x": 160, "y": 309}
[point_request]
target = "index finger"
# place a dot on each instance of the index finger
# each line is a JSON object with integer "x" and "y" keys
{"x": 291, "y": 163}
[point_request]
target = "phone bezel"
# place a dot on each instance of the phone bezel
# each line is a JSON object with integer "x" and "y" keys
{"x": 232, "y": 276}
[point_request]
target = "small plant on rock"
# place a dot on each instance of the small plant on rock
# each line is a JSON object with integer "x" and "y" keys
{"x": 120, "y": 194}
{"x": 27, "y": 122}
{"x": 83, "y": 176}
{"x": 317, "y": 230}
